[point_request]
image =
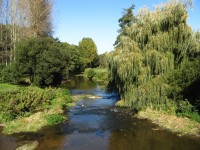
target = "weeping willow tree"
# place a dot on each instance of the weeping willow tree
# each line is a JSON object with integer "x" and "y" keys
{"x": 153, "y": 47}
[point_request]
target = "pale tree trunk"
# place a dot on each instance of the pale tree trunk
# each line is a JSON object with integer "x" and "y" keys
{"x": 14, "y": 27}
{"x": 7, "y": 29}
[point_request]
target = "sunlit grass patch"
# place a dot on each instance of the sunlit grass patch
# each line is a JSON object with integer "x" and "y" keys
{"x": 171, "y": 122}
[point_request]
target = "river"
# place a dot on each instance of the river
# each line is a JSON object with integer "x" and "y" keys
{"x": 96, "y": 124}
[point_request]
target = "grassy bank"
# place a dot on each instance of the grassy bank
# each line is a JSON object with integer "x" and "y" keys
{"x": 101, "y": 74}
{"x": 170, "y": 121}
{"x": 28, "y": 109}
{"x": 179, "y": 125}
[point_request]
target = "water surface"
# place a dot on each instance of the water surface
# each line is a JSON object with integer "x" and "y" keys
{"x": 96, "y": 124}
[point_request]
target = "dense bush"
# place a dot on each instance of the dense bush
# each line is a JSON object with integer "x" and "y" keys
{"x": 24, "y": 101}
{"x": 10, "y": 74}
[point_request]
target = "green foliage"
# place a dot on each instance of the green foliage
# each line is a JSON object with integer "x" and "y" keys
{"x": 91, "y": 73}
{"x": 75, "y": 64}
{"x": 24, "y": 101}
{"x": 5, "y": 117}
{"x": 88, "y": 51}
{"x": 103, "y": 62}
{"x": 10, "y": 74}
{"x": 156, "y": 58}
{"x": 192, "y": 115}
{"x": 125, "y": 21}
{"x": 43, "y": 59}
{"x": 54, "y": 119}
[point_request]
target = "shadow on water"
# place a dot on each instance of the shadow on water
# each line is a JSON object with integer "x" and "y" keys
{"x": 98, "y": 125}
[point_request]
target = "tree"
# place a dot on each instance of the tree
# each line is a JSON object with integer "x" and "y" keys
{"x": 40, "y": 17}
{"x": 43, "y": 60}
{"x": 158, "y": 44}
{"x": 125, "y": 21}
{"x": 88, "y": 51}
{"x": 20, "y": 19}
{"x": 74, "y": 64}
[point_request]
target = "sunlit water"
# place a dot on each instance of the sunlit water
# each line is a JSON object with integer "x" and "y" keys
{"x": 98, "y": 125}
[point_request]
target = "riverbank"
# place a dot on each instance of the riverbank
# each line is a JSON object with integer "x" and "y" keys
{"x": 179, "y": 125}
{"x": 28, "y": 109}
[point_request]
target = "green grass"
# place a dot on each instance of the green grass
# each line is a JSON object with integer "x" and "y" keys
{"x": 179, "y": 125}
{"x": 8, "y": 87}
{"x": 191, "y": 115}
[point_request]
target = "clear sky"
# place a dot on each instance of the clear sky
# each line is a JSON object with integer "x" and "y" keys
{"x": 98, "y": 19}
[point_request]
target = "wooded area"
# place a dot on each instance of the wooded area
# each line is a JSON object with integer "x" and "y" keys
{"x": 20, "y": 19}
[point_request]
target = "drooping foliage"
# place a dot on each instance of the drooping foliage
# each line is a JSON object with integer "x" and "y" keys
{"x": 154, "y": 47}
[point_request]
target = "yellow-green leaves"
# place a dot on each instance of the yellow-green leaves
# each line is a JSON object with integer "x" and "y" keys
{"x": 156, "y": 44}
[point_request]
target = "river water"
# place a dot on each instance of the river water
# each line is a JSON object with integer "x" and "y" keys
{"x": 96, "y": 124}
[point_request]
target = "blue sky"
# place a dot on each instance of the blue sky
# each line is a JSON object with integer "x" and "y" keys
{"x": 98, "y": 19}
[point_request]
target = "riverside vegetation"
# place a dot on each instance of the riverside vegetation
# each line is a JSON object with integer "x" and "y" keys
{"x": 28, "y": 109}
{"x": 156, "y": 60}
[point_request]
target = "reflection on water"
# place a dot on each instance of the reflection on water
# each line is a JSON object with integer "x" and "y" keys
{"x": 86, "y": 141}
{"x": 79, "y": 82}
{"x": 98, "y": 125}
{"x": 144, "y": 138}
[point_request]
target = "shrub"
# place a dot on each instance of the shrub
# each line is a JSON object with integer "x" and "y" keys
{"x": 10, "y": 74}
{"x": 23, "y": 102}
{"x": 91, "y": 73}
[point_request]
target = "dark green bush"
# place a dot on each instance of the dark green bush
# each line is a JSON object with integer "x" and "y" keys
{"x": 10, "y": 74}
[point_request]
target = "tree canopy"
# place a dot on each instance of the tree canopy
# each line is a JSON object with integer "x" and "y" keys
{"x": 43, "y": 59}
{"x": 154, "y": 47}
{"x": 88, "y": 51}
{"x": 125, "y": 21}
